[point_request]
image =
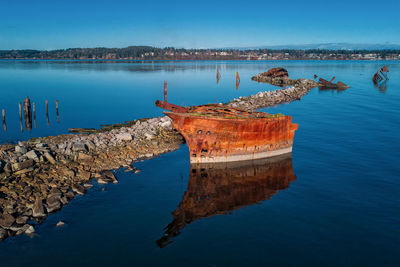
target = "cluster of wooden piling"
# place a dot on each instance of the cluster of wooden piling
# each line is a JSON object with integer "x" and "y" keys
{"x": 28, "y": 113}
{"x": 27, "y": 116}
{"x": 218, "y": 76}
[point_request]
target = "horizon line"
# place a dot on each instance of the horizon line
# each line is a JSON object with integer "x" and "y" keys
{"x": 255, "y": 47}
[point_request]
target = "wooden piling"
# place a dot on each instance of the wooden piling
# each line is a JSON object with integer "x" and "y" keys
{"x": 28, "y": 114}
{"x": 47, "y": 113}
{"x": 20, "y": 110}
{"x": 218, "y": 76}
{"x": 58, "y": 117}
{"x": 237, "y": 80}
{"x": 3, "y": 114}
{"x": 165, "y": 91}
{"x": 34, "y": 114}
{"x": 20, "y": 116}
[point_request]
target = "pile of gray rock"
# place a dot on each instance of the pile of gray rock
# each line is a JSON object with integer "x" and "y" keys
{"x": 271, "y": 98}
{"x": 38, "y": 177}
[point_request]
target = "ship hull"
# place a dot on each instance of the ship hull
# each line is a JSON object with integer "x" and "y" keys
{"x": 213, "y": 140}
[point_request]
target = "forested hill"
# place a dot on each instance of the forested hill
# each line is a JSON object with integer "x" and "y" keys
{"x": 170, "y": 53}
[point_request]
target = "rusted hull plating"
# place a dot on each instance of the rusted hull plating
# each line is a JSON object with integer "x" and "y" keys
{"x": 213, "y": 139}
{"x": 324, "y": 84}
{"x": 380, "y": 78}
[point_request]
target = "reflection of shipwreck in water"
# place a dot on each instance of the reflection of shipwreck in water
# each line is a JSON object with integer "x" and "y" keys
{"x": 380, "y": 79}
{"x": 221, "y": 188}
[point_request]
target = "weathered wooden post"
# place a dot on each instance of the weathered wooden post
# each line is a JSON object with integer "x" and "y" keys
{"x": 47, "y": 113}
{"x": 27, "y": 114}
{"x": 58, "y": 118}
{"x": 34, "y": 113}
{"x": 218, "y": 75}
{"x": 165, "y": 91}
{"x": 4, "y": 119}
{"x": 20, "y": 116}
{"x": 20, "y": 110}
{"x": 237, "y": 80}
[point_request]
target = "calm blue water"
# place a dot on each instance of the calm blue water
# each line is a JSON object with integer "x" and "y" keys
{"x": 342, "y": 208}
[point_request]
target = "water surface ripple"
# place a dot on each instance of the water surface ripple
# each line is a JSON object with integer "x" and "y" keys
{"x": 334, "y": 202}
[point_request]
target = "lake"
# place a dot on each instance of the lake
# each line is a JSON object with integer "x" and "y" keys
{"x": 334, "y": 201}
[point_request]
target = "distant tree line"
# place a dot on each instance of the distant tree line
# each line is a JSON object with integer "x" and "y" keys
{"x": 148, "y": 52}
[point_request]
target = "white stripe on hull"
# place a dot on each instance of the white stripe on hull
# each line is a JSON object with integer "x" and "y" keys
{"x": 251, "y": 156}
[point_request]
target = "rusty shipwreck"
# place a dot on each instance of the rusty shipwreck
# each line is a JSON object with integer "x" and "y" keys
{"x": 218, "y": 133}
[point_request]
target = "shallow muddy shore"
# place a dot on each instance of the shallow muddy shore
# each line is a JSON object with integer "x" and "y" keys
{"x": 38, "y": 177}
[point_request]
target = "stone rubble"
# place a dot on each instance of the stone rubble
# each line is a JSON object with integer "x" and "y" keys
{"x": 296, "y": 91}
{"x": 40, "y": 176}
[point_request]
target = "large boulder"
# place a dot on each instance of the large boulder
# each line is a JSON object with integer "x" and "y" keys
{"x": 110, "y": 177}
{"x": 49, "y": 157}
{"x": 3, "y": 233}
{"x": 78, "y": 189}
{"x": 22, "y": 165}
{"x": 123, "y": 137}
{"x": 53, "y": 202}
{"x": 33, "y": 154}
{"x": 20, "y": 149}
{"x": 79, "y": 147}
{"x": 6, "y": 220}
{"x": 38, "y": 209}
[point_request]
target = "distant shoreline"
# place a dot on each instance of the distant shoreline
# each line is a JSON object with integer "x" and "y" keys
{"x": 139, "y": 53}
{"x": 166, "y": 60}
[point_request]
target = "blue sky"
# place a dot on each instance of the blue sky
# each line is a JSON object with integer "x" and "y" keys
{"x": 194, "y": 24}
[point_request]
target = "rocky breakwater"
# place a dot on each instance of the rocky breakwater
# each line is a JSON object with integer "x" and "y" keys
{"x": 295, "y": 91}
{"x": 38, "y": 177}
